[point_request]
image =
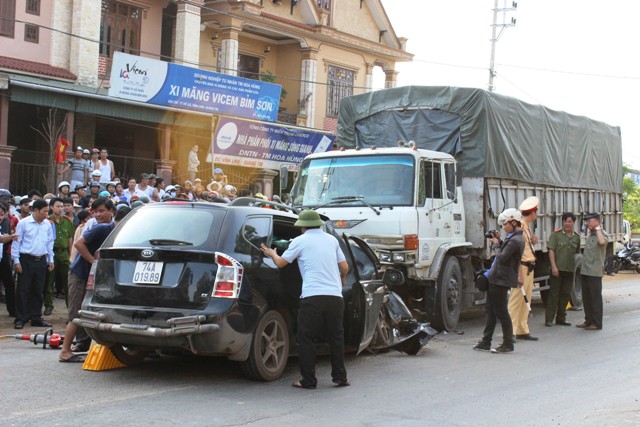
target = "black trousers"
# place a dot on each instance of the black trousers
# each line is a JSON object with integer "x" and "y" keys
{"x": 30, "y": 288}
{"x": 320, "y": 317}
{"x": 559, "y": 295}
{"x": 6, "y": 278}
{"x": 592, "y": 300}
{"x": 496, "y": 309}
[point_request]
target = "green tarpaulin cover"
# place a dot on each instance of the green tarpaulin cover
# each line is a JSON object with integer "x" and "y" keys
{"x": 491, "y": 135}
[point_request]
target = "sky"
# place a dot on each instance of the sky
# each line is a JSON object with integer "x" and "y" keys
{"x": 577, "y": 56}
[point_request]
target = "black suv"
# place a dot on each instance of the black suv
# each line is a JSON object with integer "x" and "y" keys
{"x": 190, "y": 275}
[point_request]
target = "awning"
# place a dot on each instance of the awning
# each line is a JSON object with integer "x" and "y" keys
{"x": 70, "y": 97}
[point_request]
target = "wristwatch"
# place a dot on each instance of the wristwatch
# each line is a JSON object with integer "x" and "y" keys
{"x": 597, "y": 228}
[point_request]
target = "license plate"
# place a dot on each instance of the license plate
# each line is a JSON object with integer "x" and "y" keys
{"x": 148, "y": 272}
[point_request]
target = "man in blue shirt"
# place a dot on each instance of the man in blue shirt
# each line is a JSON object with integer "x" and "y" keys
{"x": 87, "y": 245}
{"x": 324, "y": 271}
{"x": 32, "y": 255}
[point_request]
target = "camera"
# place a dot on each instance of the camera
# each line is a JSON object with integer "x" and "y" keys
{"x": 491, "y": 234}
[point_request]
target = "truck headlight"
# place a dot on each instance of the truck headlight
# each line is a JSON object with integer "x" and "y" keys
{"x": 384, "y": 257}
{"x": 399, "y": 257}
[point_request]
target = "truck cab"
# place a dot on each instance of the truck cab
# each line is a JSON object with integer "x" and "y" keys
{"x": 406, "y": 203}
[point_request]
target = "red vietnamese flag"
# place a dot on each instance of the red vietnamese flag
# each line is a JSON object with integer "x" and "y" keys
{"x": 61, "y": 148}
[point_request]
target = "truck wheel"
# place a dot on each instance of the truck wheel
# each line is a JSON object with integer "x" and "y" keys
{"x": 126, "y": 355}
{"x": 269, "y": 349}
{"x": 447, "y": 299}
{"x": 576, "y": 292}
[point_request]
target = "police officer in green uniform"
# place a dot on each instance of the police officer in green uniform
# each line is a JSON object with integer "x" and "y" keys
{"x": 595, "y": 247}
{"x": 63, "y": 228}
{"x": 563, "y": 245}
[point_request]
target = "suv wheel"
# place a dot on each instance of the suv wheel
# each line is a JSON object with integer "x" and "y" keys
{"x": 269, "y": 349}
{"x": 126, "y": 355}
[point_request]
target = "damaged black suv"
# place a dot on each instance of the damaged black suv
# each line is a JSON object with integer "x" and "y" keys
{"x": 190, "y": 276}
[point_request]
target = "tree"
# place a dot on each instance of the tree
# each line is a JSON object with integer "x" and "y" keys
{"x": 50, "y": 131}
{"x": 631, "y": 199}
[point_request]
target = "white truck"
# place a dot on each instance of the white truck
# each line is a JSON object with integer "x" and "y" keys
{"x": 465, "y": 155}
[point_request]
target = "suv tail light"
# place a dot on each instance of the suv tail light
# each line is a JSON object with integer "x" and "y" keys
{"x": 228, "y": 277}
{"x": 92, "y": 272}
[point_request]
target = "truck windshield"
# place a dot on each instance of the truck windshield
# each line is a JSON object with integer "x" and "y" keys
{"x": 380, "y": 180}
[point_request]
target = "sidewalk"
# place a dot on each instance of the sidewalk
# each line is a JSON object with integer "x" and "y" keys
{"x": 58, "y": 320}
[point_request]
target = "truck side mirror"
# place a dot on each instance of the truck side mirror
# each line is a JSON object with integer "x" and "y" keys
{"x": 284, "y": 177}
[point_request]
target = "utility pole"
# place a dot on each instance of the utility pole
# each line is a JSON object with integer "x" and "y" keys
{"x": 495, "y": 35}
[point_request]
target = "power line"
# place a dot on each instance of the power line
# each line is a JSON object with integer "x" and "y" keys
{"x": 524, "y": 67}
{"x": 577, "y": 73}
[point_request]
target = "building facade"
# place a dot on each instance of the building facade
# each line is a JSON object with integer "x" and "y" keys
{"x": 55, "y": 63}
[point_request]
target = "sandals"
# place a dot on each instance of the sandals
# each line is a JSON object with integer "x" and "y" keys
{"x": 76, "y": 358}
{"x": 298, "y": 384}
{"x": 342, "y": 383}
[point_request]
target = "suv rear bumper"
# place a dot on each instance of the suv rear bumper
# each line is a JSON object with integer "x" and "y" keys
{"x": 186, "y": 332}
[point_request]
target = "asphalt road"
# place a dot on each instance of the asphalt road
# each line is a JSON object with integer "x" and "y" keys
{"x": 571, "y": 377}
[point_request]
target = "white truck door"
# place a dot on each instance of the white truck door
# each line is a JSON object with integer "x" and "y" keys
{"x": 434, "y": 211}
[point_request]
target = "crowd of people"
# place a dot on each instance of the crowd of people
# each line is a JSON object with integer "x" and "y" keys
{"x": 47, "y": 242}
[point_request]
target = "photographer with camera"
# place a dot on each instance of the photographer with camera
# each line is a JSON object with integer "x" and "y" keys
{"x": 502, "y": 277}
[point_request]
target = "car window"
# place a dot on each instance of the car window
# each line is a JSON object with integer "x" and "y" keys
{"x": 283, "y": 233}
{"x": 255, "y": 231}
{"x": 169, "y": 226}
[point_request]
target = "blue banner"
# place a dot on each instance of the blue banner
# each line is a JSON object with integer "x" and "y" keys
{"x": 263, "y": 145}
{"x": 162, "y": 83}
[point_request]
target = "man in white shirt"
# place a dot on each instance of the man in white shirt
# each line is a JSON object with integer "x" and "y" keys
{"x": 106, "y": 167}
{"x": 144, "y": 189}
{"x": 32, "y": 255}
{"x": 324, "y": 270}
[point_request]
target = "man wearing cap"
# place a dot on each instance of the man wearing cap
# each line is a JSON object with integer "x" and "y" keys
{"x": 324, "y": 271}
{"x": 564, "y": 245}
{"x": 24, "y": 208}
{"x": 218, "y": 181}
{"x": 32, "y": 255}
{"x": 79, "y": 168}
{"x": 63, "y": 228}
{"x": 144, "y": 189}
{"x": 518, "y": 307}
{"x": 96, "y": 176}
{"x": 193, "y": 163}
{"x": 593, "y": 255}
{"x": 94, "y": 190}
{"x": 63, "y": 189}
{"x": 94, "y": 162}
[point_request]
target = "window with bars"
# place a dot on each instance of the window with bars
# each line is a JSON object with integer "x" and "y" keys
{"x": 340, "y": 84}
{"x": 7, "y": 17}
{"x": 249, "y": 67}
{"x": 33, "y": 7}
{"x": 119, "y": 28}
{"x": 31, "y": 33}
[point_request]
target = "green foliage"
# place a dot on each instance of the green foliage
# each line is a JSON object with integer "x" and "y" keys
{"x": 631, "y": 201}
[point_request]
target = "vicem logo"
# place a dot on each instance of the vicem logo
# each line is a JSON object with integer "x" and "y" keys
{"x": 147, "y": 253}
{"x": 227, "y": 135}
